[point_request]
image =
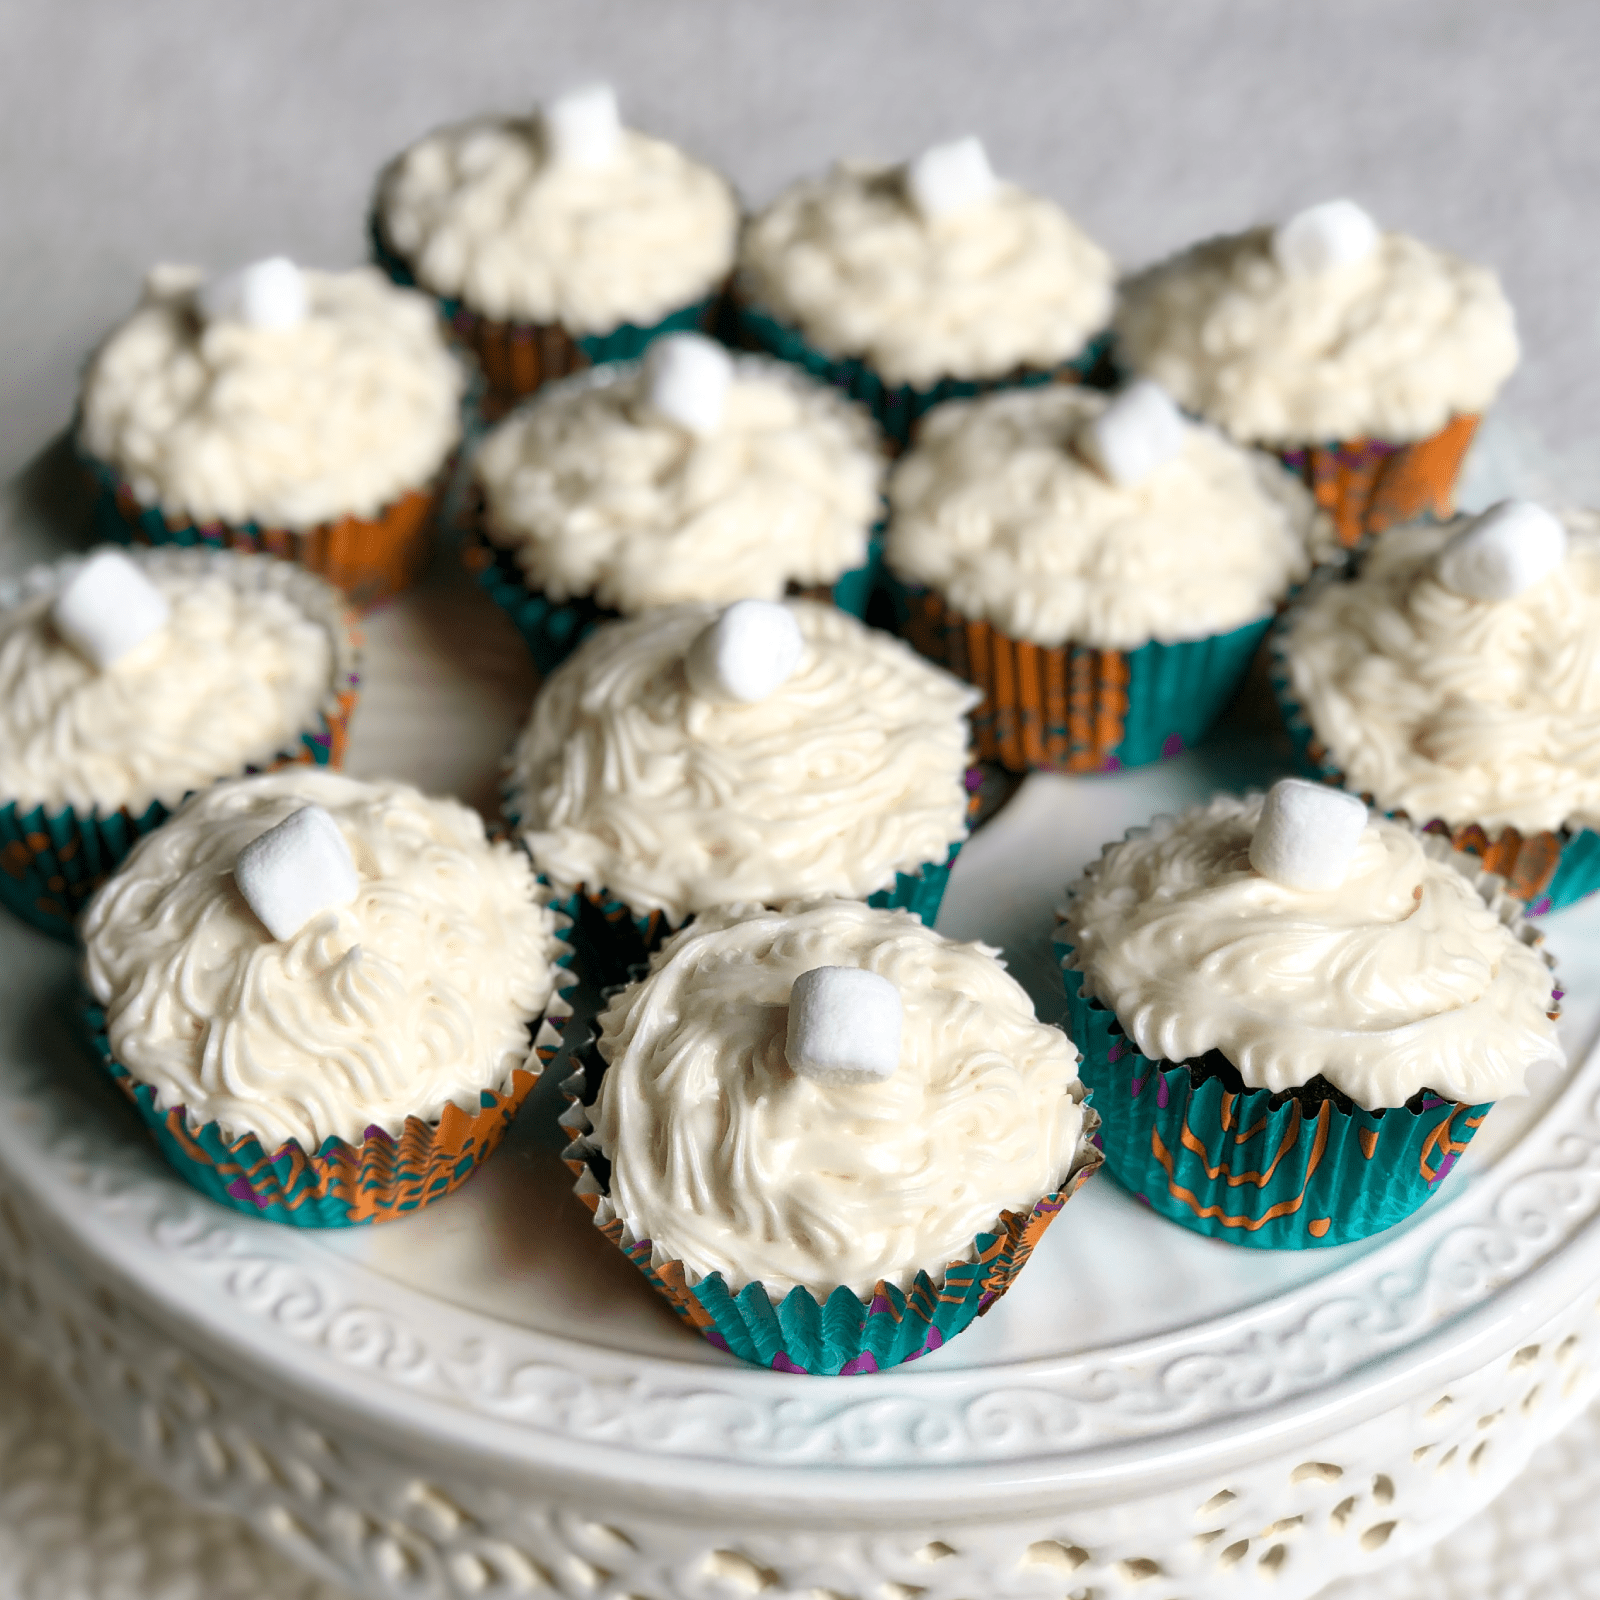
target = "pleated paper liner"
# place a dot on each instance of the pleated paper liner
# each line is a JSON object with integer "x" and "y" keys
{"x": 845, "y": 1333}
{"x": 1296, "y": 1170}
{"x": 53, "y": 859}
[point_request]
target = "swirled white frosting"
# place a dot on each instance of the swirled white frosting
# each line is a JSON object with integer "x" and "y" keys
{"x": 239, "y": 672}
{"x": 995, "y": 509}
{"x": 1390, "y": 347}
{"x": 289, "y": 427}
{"x": 852, "y": 771}
{"x": 859, "y": 271}
{"x": 600, "y": 495}
{"x": 730, "y": 1162}
{"x": 1466, "y": 710}
{"x": 1400, "y": 979}
{"x": 417, "y": 994}
{"x": 480, "y": 214}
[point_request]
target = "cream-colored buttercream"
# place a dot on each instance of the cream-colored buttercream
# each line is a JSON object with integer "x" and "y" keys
{"x": 1445, "y": 707}
{"x": 996, "y": 510}
{"x": 1398, "y": 980}
{"x": 246, "y": 661}
{"x": 850, "y": 772}
{"x": 848, "y": 260}
{"x": 417, "y": 994}
{"x": 336, "y": 416}
{"x": 1389, "y": 347}
{"x": 730, "y": 1162}
{"x": 598, "y": 494}
{"x": 481, "y": 215}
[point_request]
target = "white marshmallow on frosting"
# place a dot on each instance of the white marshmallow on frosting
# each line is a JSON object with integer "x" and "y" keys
{"x": 950, "y": 177}
{"x": 1337, "y": 233}
{"x": 291, "y": 872}
{"x": 582, "y": 128}
{"x": 1306, "y": 835}
{"x": 266, "y": 294}
{"x": 750, "y": 651}
{"x": 1140, "y": 430}
{"x": 687, "y": 377}
{"x": 1499, "y": 554}
{"x": 108, "y": 609}
{"x": 844, "y": 1026}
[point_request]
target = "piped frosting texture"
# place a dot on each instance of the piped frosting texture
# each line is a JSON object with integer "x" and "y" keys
{"x": 974, "y": 294}
{"x": 1447, "y": 707}
{"x": 729, "y": 1161}
{"x": 995, "y": 509}
{"x": 1398, "y": 980}
{"x": 598, "y": 494}
{"x": 850, "y": 772}
{"x": 1390, "y": 347}
{"x": 416, "y": 994}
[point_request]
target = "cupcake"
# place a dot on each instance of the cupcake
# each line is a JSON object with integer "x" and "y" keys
{"x": 908, "y": 285}
{"x": 1452, "y": 678}
{"x": 1295, "y": 1016}
{"x": 555, "y": 240}
{"x": 868, "y": 1132}
{"x": 126, "y": 681}
{"x": 695, "y": 756}
{"x": 688, "y": 476}
{"x": 1362, "y": 358}
{"x": 326, "y": 998}
{"x": 310, "y": 415}
{"x": 1101, "y": 569}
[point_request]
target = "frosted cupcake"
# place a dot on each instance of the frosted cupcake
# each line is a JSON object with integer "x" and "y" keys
{"x": 1364, "y": 358}
{"x": 1294, "y": 1016}
{"x": 696, "y": 756}
{"x": 126, "y": 681}
{"x": 555, "y": 240}
{"x": 309, "y": 415}
{"x": 911, "y": 284}
{"x": 688, "y": 476}
{"x": 326, "y": 998}
{"x": 1101, "y": 569}
{"x": 869, "y": 1133}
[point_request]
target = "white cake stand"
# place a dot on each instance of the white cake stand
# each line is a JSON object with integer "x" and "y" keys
{"x": 487, "y": 1400}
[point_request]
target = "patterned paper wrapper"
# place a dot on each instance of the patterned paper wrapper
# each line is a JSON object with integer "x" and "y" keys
{"x": 898, "y": 406}
{"x": 1287, "y": 1171}
{"x": 52, "y": 860}
{"x": 843, "y": 1334}
{"x": 1545, "y": 870}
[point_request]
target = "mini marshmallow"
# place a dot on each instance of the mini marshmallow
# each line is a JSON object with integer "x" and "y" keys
{"x": 293, "y": 871}
{"x": 1338, "y": 233}
{"x": 583, "y": 129}
{"x": 1306, "y": 835}
{"x": 1499, "y": 554}
{"x": 844, "y": 1026}
{"x": 686, "y": 379}
{"x": 950, "y": 177}
{"x": 751, "y": 650}
{"x": 1139, "y": 431}
{"x": 108, "y": 609}
{"x": 266, "y": 294}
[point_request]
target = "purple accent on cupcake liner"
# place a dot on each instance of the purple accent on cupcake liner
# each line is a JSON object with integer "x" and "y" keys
{"x": 1172, "y": 745}
{"x": 781, "y": 1363}
{"x": 1444, "y": 1167}
{"x": 1161, "y": 1092}
{"x": 865, "y": 1362}
{"x": 1116, "y": 1053}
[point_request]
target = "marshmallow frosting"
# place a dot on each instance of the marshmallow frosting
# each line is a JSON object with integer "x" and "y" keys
{"x": 1400, "y": 979}
{"x": 598, "y": 494}
{"x": 848, "y": 260}
{"x": 729, "y": 1161}
{"x": 336, "y": 416}
{"x": 1390, "y": 347}
{"x": 252, "y": 650}
{"x": 481, "y": 214}
{"x": 1446, "y": 707}
{"x": 850, "y": 772}
{"x": 416, "y": 994}
{"x": 996, "y": 510}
